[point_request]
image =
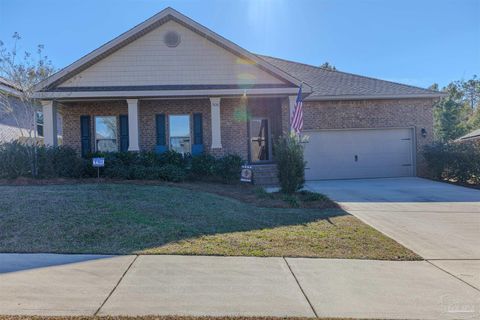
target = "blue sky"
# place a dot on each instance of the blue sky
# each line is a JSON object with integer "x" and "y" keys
{"x": 416, "y": 42}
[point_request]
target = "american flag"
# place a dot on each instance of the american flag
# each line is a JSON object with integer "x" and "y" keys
{"x": 297, "y": 116}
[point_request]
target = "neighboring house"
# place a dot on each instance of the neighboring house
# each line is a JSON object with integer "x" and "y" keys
{"x": 472, "y": 136}
{"x": 16, "y": 122}
{"x": 170, "y": 83}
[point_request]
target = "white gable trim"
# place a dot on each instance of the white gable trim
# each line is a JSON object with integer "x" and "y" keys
{"x": 149, "y": 25}
{"x": 162, "y": 93}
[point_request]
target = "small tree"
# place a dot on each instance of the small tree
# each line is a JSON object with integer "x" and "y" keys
{"x": 23, "y": 72}
{"x": 290, "y": 162}
{"x": 328, "y": 66}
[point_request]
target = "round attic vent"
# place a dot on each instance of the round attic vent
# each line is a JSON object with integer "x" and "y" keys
{"x": 172, "y": 39}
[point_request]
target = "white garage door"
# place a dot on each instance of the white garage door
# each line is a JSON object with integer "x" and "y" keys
{"x": 362, "y": 153}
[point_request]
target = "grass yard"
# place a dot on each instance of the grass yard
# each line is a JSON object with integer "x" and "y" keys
{"x": 112, "y": 218}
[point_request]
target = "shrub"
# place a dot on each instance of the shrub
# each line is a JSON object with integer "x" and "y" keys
{"x": 15, "y": 160}
{"x": 454, "y": 161}
{"x": 20, "y": 160}
{"x": 312, "y": 196}
{"x": 61, "y": 161}
{"x": 225, "y": 169}
{"x": 228, "y": 168}
{"x": 291, "y": 199}
{"x": 290, "y": 163}
{"x": 171, "y": 172}
{"x": 203, "y": 165}
{"x": 173, "y": 158}
{"x": 26, "y": 160}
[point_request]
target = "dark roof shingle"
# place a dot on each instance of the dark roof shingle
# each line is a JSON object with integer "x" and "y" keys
{"x": 328, "y": 84}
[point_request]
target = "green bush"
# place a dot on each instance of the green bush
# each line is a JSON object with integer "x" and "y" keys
{"x": 61, "y": 161}
{"x": 171, "y": 172}
{"x": 171, "y": 157}
{"x": 25, "y": 160}
{"x": 290, "y": 163}
{"x": 225, "y": 169}
{"x": 203, "y": 166}
{"x": 15, "y": 160}
{"x": 312, "y": 196}
{"x": 291, "y": 199}
{"x": 454, "y": 161}
{"x": 228, "y": 168}
{"x": 20, "y": 160}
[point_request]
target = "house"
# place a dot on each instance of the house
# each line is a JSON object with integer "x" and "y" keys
{"x": 18, "y": 121}
{"x": 469, "y": 137}
{"x": 171, "y": 83}
{"x": 15, "y": 123}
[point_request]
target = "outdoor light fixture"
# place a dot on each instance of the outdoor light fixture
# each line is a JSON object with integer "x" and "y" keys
{"x": 424, "y": 132}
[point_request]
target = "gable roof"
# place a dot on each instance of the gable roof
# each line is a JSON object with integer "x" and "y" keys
{"x": 9, "y": 87}
{"x": 147, "y": 26}
{"x": 474, "y": 135}
{"x": 332, "y": 85}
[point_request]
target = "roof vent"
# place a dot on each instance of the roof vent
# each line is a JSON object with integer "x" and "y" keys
{"x": 171, "y": 39}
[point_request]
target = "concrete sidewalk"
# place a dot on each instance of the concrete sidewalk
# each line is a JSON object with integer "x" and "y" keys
{"x": 48, "y": 284}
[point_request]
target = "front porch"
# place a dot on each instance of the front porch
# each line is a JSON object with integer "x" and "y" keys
{"x": 245, "y": 126}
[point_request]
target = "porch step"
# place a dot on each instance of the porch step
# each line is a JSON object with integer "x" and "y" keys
{"x": 265, "y": 175}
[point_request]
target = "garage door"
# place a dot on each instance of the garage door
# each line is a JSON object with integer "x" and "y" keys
{"x": 362, "y": 153}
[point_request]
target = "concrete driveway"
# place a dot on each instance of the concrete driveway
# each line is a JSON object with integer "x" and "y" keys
{"x": 440, "y": 222}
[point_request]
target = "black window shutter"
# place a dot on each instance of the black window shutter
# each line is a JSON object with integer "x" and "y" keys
{"x": 161, "y": 136}
{"x": 123, "y": 133}
{"x": 85, "y": 135}
{"x": 197, "y": 128}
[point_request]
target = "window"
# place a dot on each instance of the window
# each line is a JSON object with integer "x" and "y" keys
{"x": 106, "y": 134}
{"x": 39, "y": 123}
{"x": 179, "y": 126}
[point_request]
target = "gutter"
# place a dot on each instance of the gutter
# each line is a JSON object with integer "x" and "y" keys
{"x": 376, "y": 97}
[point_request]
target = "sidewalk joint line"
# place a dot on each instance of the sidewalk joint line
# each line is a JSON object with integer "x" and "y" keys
{"x": 301, "y": 289}
{"x": 439, "y": 268}
{"x": 116, "y": 286}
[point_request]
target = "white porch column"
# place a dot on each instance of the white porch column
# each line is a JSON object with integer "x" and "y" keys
{"x": 291, "y": 107}
{"x": 49, "y": 123}
{"x": 216, "y": 131}
{"x": 133, "y": 141}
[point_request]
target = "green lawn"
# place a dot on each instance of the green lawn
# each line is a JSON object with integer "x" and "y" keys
{"x": 149, "y": 219}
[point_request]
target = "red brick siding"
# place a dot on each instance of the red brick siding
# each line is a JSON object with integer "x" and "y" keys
{"x": 148, "y": 109}
{"x": 71, "y": 113}
{"x": 232, "y": 112}
{"x": 415, "y": 113}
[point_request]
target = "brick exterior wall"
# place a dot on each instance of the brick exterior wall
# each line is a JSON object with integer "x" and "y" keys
{"x": 149, "y": 108}
{"x": 414, "y": 113}
{"x": 71, "y": 113}
{"x": 232, "y": 112}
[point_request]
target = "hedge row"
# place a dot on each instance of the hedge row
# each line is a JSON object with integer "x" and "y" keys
{"x": 454, "y": 161}
{"x": 20, "y": 160}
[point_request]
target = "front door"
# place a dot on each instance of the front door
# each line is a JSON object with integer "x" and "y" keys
{"x": 260, "y": 148}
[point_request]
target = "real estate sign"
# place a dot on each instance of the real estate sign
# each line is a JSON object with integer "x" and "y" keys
{"x": 98, "y": 162}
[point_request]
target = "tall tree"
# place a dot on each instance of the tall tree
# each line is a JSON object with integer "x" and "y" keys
{"x": 328, "y": 66}
{"x": 470, "y": 90}
{"x": 450, "y": 115}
